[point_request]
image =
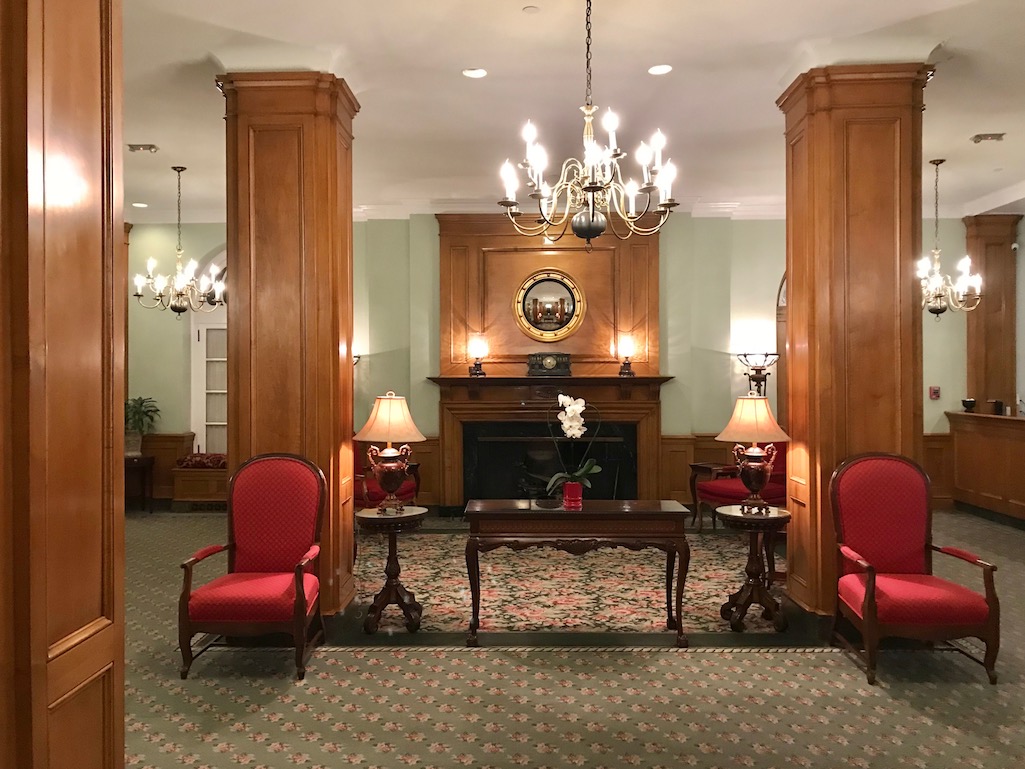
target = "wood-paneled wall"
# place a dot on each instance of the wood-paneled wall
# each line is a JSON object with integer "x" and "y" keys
{"x": 854, "y": 319}
{"x": 289, "y": 171}
{"x": 63, "y": 289}
{"x": 483, "y": 263}
{"x": 938, "y": 463}
{"x": 992, "y": 326}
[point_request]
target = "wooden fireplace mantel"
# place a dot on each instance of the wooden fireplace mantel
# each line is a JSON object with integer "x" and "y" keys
{"x": 634, "y": 400}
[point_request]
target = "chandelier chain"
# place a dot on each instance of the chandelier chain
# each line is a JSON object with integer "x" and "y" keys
{"x": 936, "y": 206}
{"x": 588, "y": 28}
{"x": 179, "y": 169}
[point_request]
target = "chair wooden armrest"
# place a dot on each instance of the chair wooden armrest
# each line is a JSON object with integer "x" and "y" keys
{"x": 853, "y": 556}
{"x": 964, "y": 555}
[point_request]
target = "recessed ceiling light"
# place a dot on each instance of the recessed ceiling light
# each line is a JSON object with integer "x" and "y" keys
{"x": 531, "y": 9}
{"x": 475, "y": 72}
{"x": 660, "y": 69}
{"x": 143, "y": 148}
{"x": 140, "y": 205}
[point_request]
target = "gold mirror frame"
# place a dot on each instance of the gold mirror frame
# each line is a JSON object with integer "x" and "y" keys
{"x": 571, "y": 327}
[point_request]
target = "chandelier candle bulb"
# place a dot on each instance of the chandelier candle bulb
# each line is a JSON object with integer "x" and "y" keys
{"x": 610, "y": 122}
{"x": 626, "y": 346}
{"x": 666, "y": 177}
{"x": 658, "y": 143}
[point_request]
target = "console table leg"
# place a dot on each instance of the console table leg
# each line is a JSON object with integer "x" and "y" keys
{"x": 473, "y": 572}
{"x": 670, "y": 567}
{"x": 684, "y": 552}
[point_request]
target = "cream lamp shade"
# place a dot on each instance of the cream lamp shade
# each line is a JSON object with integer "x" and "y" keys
{"x": 390, "y": 422}
{"x": 752, "y": 422}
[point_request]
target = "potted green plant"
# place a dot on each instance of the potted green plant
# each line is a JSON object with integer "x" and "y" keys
{"x": 140, "y": 416}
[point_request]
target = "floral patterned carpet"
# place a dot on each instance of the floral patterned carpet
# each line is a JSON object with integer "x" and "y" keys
{"x": 544, "y": 708}
{"x": 609, "y": 590}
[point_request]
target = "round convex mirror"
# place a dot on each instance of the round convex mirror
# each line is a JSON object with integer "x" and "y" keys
{"x": 549, "y": 306}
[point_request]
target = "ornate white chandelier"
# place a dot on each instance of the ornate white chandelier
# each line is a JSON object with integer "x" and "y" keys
{"x": 182, "y": 292}
{"x": 588, "y": 191}
{"x": 939, "y": 292}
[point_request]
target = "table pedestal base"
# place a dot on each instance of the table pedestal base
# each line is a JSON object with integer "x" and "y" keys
{"x": 754, "y": 590}
{"x": 393, "y": 592}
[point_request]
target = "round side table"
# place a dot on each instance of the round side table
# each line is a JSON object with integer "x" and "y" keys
{"x": 756, "y": 588}
{"x": 393, "y": 592}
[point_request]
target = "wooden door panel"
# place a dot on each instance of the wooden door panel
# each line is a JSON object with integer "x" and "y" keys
{"x": 64, "y": 287}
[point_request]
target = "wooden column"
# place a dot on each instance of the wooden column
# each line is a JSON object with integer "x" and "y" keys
{"x": 63, "y": 290}
{"x": 854, "y": 323}
{"x": 289, "y": 170}
{"x": 992, "y": 373}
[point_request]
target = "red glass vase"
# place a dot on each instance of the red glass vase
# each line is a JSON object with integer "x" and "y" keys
{"x": 572, "y": 495}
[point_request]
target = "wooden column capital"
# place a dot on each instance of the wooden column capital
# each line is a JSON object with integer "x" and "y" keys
{"x": 281, "y": 93}
{"x": 856, "y": 85}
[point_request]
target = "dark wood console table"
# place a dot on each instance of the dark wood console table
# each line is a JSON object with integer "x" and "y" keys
{"x": 633, "y": 524}
{"x": 139, "y": 476}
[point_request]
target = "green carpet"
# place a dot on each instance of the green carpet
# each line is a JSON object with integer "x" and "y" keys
{"x": 564, "y": 707}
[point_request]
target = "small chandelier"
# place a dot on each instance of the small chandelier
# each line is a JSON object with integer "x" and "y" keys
{"x": 588, "y": 191}
{"x": 939, "y": 292}
{"x": 183, "y": 292}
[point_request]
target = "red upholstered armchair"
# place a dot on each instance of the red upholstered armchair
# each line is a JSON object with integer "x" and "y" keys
{"x": 726, "y": 488}
{"x": 275, "y": 509}
{"x": 886, "y": 586}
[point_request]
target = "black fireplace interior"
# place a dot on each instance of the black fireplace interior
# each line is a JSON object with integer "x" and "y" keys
{"x": 514, "y": 460}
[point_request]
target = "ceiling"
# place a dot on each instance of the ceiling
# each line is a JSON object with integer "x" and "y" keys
{"x": 430, "y": 140}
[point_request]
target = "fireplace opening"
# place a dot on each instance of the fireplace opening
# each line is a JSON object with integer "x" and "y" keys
{"x": 514, "y": 460}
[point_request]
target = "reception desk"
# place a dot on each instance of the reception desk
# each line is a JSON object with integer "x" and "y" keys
{"x": 988, "y": 467}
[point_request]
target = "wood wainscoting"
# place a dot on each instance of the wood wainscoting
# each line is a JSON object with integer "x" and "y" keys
{"x": 166, "y": 449}
{"x": 679, "y": 451}
{"x": 938, "y": 461}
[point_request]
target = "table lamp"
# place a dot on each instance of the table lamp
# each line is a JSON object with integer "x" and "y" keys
{"x": 478, "y": 349}
{"x": 752, "y": 422}
{"x": 626, "y": 350}
{"x": 389, "y": 422}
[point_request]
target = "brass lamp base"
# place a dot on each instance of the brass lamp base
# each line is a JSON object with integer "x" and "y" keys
{"x": 755, "y": 468}
{"x": 390, "y": 467}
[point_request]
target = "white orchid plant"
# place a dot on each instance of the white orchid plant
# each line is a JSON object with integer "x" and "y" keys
{"x": 571, "y": 420}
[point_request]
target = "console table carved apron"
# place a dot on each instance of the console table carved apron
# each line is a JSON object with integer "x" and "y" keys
{"x": 633, "y": 524}
{"x": 393, "y": 592}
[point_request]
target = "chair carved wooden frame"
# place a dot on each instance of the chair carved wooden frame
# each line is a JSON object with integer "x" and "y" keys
{"x": 292, "y": 578}
{"x": 898, "y": 594}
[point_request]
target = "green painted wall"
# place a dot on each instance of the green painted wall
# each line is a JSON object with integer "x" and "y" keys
{"x": 396, "y": 315}
{"x": 159, "y": 365}
{"x": 718, "y": 287}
